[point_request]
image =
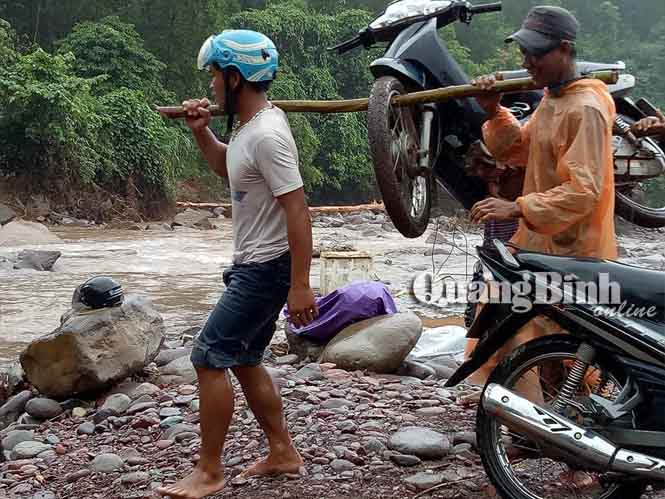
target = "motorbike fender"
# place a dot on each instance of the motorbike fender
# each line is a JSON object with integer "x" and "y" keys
{"x": 387, "y": 66}
{"x": 495, "y": 324}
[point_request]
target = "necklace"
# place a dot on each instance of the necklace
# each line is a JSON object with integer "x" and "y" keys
{"x": 237, "y": 127}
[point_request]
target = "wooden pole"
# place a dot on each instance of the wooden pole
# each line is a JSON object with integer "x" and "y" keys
{"x": 359, "y": 105}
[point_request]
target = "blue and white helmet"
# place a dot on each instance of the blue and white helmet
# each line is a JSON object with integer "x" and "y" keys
{"x": 251, "y": 53}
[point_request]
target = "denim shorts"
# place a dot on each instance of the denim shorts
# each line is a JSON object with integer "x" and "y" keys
{"x": 242, "y": 324}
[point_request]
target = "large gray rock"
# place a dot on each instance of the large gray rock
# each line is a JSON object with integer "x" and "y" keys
{"x": 93, "y": 349}
{"x": 13, "y": 408}
{"x": 28, "y": 450}
{"x": 421, "y": 442}
{"x": 379, "y": 344}
{"x": 42, "y": 408}
{"x": 195, "y": 219}
{"x": 37, "y": 260}
{"x": 21, "y": 233}
{"x": 15, "y": 437}
{"x": 6, "y": 214}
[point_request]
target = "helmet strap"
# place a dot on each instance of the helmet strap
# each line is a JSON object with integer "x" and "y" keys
{"x": 230, "y": 100}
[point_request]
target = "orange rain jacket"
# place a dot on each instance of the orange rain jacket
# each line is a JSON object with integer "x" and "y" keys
{"x": 568, "y": 197}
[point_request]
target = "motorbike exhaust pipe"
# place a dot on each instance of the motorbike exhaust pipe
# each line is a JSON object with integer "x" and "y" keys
{"x": 540, "y": 423}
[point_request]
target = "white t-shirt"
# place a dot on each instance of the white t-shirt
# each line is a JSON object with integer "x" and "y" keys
{"x": 262, "y": 164}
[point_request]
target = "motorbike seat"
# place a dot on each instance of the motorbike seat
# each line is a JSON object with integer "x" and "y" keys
{"x": 638, "y": 286}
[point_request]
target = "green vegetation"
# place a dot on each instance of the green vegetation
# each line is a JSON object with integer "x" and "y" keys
{"x": 78, "y": 79}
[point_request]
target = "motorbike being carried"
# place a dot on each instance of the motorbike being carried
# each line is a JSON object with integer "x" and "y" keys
{"x": 589, "y": 401}
{"x": 415, "y": 148}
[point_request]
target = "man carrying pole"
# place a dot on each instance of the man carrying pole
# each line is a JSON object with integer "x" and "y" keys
{"x": 272, "y": 239}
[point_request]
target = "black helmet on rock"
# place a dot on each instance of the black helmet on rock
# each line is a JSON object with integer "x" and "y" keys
{"x": 101, "y": 292}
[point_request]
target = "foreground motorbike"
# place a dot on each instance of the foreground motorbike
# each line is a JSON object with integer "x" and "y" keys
{"x": 591, "y": 401}
{"x": 416, "y": 147}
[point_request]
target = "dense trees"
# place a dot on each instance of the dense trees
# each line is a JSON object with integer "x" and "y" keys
{"x": 78, "y": 77}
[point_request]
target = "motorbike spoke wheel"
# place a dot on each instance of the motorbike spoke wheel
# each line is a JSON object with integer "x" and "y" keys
{"x": 394, "y": 146}
{"x": 521, "y": 468}
{"x": 642, "y": 203}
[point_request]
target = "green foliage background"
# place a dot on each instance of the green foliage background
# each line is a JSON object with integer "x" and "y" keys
{"x": 78, "y": 78}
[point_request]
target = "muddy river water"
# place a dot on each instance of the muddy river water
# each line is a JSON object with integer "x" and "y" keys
{"x": 181, "y": 272}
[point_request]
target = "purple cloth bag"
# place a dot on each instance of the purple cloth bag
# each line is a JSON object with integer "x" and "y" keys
{"x": 352, "y": 303}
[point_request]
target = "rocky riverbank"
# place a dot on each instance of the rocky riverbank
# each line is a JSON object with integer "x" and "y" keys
{"x": 362, "y": 435}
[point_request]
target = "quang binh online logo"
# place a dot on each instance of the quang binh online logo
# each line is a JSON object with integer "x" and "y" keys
{"x": 536, "y": 288}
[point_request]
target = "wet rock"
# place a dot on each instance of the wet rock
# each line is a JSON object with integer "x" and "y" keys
{"x": 141, "y": 406}
{"x": 15, "y": 437}
{"x": 52, "y": 439}
{"x": 171, "y": 422}
{"x": 134, "y": 478}
{"x": 143, "y": 389}
{"x": 44, "y": 494}
{"x": 168, "y": 412}
{"x": 94, "y": 349}
{"x": 405, "y": 460}
{"x": 421, "y": 442}
{"x": 77, "y": 475}
{"x": 194, "y": 405}
{"x": 28, "y": 450}
{"x": 6, "y": 214}
{"x": 424, "y": 481}
{"x": 195, "y": 219}
{"x": 164, "y": 444}
{"x": 415, "y": 369}
{"x": 37, "y": 260}
{"x": 341, "y": 465}
{"x": 102, "y": 415}
{"x": 347, "y": 426}
{"x": 118, "y": 403}
{"x": 336, "y": 403}
{"x": 374, "y": 446}
{"x": 310, "y": 372}
{"x": 468, "y": 437}
{"x": 43, "y": 408}
{"x": 430, "y": 412}
{"x": 379, "y": 344}
{"x": 87, "y": 428}
{"x": 180, "y": 368}
{"x": 173, "y": 432}
{"x": 22, "y": 233}
{"x": 287, "y": 359}
{"x": 13, "y": 408}
{"x": 167, "y": 356}
{"x": 79, "y": 412}
{"x": 107, "y": 463}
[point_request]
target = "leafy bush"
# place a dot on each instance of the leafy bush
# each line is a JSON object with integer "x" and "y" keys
{"x": 113, "y": 48}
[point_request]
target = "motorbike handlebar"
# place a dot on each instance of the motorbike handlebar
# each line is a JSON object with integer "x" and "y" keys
{"x": 484, "y": 9}
{"x": 347, "y": 45}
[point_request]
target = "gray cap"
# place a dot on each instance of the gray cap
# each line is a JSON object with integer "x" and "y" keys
{"x": 544, "y": 28}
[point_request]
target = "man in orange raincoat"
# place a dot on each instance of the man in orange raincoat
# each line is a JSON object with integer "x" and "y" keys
{"x": 567, "y": 204}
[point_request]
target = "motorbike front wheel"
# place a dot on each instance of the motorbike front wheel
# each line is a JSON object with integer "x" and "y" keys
{"x": 523, "y": 469}
{"x": 395, "y": 146}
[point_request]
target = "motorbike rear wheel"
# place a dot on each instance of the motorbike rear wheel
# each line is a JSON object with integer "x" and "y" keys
{"x": 522, "y": 469}
{"x": 394, "y": 145}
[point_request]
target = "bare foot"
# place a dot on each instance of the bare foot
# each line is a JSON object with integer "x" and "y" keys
{"x": 286, "y": 463}
{"x": 197, "y": 485}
